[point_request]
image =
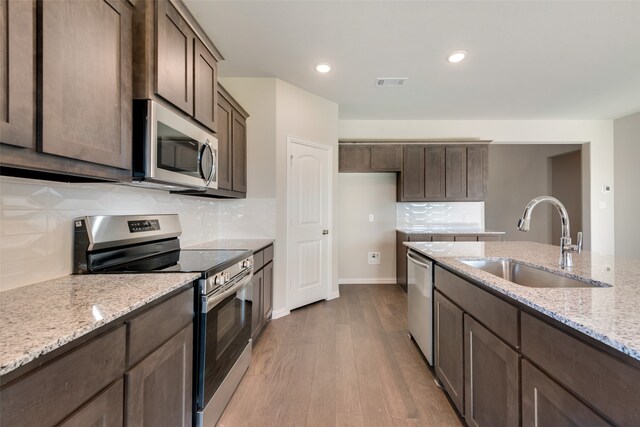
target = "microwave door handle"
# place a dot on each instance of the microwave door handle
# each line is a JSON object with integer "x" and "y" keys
{"x": 207, "y": 146}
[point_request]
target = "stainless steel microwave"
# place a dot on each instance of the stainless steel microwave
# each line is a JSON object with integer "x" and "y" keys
{"x": 170, "y": 152}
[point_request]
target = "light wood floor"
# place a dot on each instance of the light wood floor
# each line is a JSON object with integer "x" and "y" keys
{"x": 345, "y": 362}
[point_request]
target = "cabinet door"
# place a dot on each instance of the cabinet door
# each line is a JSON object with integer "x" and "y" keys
{"x": 401, "y": 260}
{"x": 435, "y": 175}
{"x": 86, "y": 81}
{"x": 546, "y": 403}
{"x": 224, "y": 144}
{"x": 386, "y": 158}
{"x": 239, "y": 156}
{"x": 256, "y": 309}
{"x": 354, "y": 158}
{"x": 205, "y": 86}
{"x": 456, "y": 172}
{"x": 158, "y": 391}
{"x": 413, "y": 169}
{"x": 449, "y": 357}
{"x": 477, "y": 172}
{"x": 104, "y": 410}
{"x": 267, "y": 291}
{"x": 491, "y": 380}
{"x": 174, "y": 57}
{"x": 17, "y": 73}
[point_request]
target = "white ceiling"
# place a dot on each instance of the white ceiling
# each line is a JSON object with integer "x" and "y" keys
{"x": 527, "y": 59}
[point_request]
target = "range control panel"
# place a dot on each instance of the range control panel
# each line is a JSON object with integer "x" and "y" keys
{"x": 144, "y": 225}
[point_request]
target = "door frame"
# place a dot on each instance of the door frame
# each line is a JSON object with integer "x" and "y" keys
{"x": 329, "y": 168}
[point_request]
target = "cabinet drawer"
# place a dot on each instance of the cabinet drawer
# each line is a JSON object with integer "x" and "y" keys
{"x": 466, "y": 238}
{"x": 442, "y": 238}
{"x": 54, "y": 391}
{"x": 608, "y": 384}
{"x": 268, "y": 254}
{"x": 419, "y": 237}
{"x": 155, "y": 326}
{"x": 488, "y": 238}
{"x": 496, "y": 314}
{"x": 258, "y": 260}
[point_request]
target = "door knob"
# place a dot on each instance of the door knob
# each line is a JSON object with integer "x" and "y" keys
{"x": 325, "y": 232}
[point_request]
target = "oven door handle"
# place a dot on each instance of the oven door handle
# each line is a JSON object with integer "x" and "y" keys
{"x": 214, "y": 300}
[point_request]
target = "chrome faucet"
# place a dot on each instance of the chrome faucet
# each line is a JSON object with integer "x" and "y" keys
{"x": 566, "y": 248}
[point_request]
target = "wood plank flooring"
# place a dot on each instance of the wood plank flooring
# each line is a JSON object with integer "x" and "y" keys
{"x": 345, "y": 362}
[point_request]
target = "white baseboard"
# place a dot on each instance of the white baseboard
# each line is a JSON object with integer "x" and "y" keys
{"x": 376, "y": 281}
{"x": 276, "y": 314}
{"x": 333, "y": 295}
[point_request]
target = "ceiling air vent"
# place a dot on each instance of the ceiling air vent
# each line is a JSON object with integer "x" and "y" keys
{"x": 390, "y": 81}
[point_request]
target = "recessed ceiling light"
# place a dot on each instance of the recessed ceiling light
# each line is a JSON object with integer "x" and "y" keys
{"x": 323, "y": 68}
{"x": 457, "y": 56}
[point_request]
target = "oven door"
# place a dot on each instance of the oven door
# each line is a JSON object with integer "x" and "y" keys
{"x": 180, "y": 152}
{"x": 225, "y": 332}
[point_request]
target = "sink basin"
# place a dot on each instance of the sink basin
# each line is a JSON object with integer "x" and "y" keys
{"x": 525, "y": 275}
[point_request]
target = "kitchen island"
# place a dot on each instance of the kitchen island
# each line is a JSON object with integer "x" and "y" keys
{"x": 572, "y": 354}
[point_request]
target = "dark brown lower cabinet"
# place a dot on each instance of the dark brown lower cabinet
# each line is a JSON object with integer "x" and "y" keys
{"x": 105, "y": 410}
{"x": 449, "y": 357}
{"x": 267, "y": 295}
{"x": 546, "y": 403}
{"x": 158, "y": 390}
{"x": 256, "y": 310}
{"x": 491, "y": 378}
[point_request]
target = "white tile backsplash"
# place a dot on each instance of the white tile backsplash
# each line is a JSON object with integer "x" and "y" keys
{"x": 458, "y": 215}
{"x": 36, "y": 229}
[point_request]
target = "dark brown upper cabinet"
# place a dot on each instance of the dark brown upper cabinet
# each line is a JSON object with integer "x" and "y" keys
{"x": 69, "y": 102}
{"x": 175, "y": 61}
{"x": 86, "y": 81}
{"x": 477, "y": 171}
{"x": 17, "y": 73}
{"x": 224, "y": 144}
{"x": 239, "y": 149}
{"x": 205, "y": 86}
{"x": 232, "y": 145}
{"x": 434, "y": 172}
{"x": 370, "y": 158}
{"x": 174, "y": 57}
{"x": 456, "y": 172}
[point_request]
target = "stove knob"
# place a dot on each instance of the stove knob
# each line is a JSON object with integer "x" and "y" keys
{"x": 246, "y": 263}
{"x": 219, "y": 280}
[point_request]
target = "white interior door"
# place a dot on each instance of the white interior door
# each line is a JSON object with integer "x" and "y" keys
{"x": 309, "y": 186}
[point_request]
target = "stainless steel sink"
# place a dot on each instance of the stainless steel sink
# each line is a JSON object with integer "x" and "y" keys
{"x": 525, "y": 275}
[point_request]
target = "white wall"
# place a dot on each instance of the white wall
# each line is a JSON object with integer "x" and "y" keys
{"x": 279, "y": 110}
{"x": 361, "y": 195}
{"x": 598, "y": 207}
{"x": 627, "y": 185}
{"x": 517, "y": 174}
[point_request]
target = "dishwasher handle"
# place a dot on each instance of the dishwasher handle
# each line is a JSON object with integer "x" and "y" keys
{"x": 416, "y": 261}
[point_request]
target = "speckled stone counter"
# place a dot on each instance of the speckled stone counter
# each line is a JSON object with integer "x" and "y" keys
{"x": 39, "y": 318}
{"x": 456, "y": 231}
{"x": 254, "y": 245}
{"x": 607, "y": 314}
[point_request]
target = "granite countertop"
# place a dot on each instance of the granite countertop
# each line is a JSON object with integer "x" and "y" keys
{"x": 39, "y": 318}
{"x": 254, "y": 245}
{"x": 607, "y": 314}
{"x": 456, "y": 231}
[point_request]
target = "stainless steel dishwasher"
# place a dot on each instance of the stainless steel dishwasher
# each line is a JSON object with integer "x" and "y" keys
{"x": 420, "y": 302}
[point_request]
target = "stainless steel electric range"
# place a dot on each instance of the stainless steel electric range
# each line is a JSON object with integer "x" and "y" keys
{"x": 222, "y": 325}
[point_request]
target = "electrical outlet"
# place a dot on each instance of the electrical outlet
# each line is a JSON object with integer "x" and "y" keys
{"x": 374, "y": 257}
{"x": 370, "y": 217}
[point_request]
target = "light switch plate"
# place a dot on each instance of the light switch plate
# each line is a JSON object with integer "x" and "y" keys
{"x": 374, "y": 258}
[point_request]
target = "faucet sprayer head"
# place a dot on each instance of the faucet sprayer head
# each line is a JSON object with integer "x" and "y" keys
{"x": 523, "y": 224}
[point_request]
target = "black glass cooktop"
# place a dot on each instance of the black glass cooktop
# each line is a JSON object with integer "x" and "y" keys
{"x": 183, "y": 261}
